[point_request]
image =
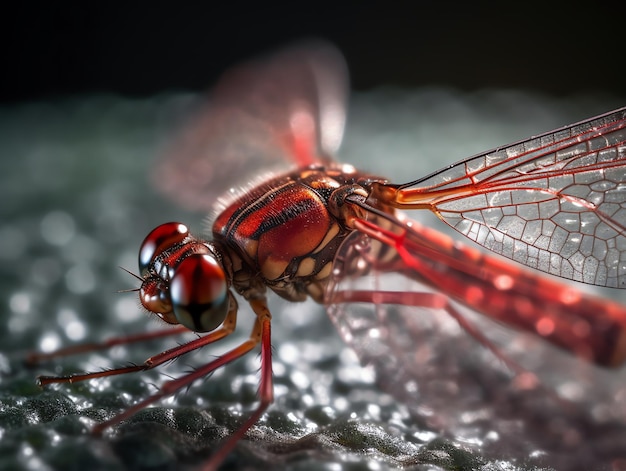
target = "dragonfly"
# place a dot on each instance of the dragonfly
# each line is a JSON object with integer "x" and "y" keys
{"x": 290, "y": 219}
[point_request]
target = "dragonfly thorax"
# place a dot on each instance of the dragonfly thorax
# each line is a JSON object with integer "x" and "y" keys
{"x": 288, "y": 230}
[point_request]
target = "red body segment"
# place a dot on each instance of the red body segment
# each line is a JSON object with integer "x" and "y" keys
{"x": 285, "y": 230}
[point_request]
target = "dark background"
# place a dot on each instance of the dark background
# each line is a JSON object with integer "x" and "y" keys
{"x": 143, "y": 48}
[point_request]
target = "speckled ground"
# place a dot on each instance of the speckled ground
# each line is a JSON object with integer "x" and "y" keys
{"x": 75, "y": 203}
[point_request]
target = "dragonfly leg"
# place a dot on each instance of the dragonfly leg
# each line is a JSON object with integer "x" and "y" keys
{"x": 260, "y": 334}
{"x": 227, "y": 327}
{"x": 35, "y": 358}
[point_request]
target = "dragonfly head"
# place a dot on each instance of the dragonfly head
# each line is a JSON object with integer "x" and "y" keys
{"x": 183, "y": 279}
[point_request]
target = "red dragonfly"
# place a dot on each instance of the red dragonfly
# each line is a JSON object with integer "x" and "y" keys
{"x": 305, "y": 224}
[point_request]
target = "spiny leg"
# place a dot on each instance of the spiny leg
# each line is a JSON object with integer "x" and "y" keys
{"x": 260, "y": 334}
{"x": 227, "y": 327}
{"x": 170, "y": 387}
{"x": 35, "y": 358}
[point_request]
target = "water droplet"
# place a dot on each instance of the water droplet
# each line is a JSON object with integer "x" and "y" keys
{"x": 20, "y": 303}
{"x": 58, "y": 228}
{"x": 80, "y": 279}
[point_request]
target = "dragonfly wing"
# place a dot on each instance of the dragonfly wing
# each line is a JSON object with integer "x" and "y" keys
{"x": 286, "y": 110}
{"x": 555, "y": 202}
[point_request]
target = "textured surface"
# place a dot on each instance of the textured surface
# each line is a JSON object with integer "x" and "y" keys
{"x": 75, "y": 205}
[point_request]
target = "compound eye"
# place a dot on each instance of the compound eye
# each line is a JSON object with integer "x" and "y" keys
{"x": 199, "y": 294}
{"x": 160, "y": 239}
{"x": 154, "y": 296}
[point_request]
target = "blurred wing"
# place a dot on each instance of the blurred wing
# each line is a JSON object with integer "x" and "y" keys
{"x": 396, "y": 293}
{"x": 265, "y": 116}
{"x": 555, "y": 202}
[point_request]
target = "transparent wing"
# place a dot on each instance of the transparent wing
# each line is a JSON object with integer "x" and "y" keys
{"x": 481, "y": 282}
{"x": 555, "y": 202}
{"x": 268, "y": 115}
{"x": 406, "y": 298}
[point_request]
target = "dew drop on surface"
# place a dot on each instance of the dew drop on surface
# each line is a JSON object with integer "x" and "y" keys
{"x": 20, "y": 303}
{"x": 374, "y": 334}
{"x": 26, "y": 450}
{"x": 347, "y": 356}
{"x": 75, "y": 330}
{"x": 411, "y": 387}
{"x": 49, "y": 343}
{"x": 292, "y": 417}
{"x": 281, "y": 390}
{"x": 72, "y": 324}
{"x": 492, "y": 436}
{"x": 288, "y": 353}
{"x": 537, "y": 453}
{"x": 471, "y": 440}
{"x": 374, "y": 411}
{"x": 309, "y": 401}
{"x": 425, "y": 436}
{"x": 58, "y": 228}
{"x": 278, "y": 369}
{"x": 356, "y": 374}
{"x": 570, "y": 390}
{"x": 66, "y": 315}
{"x": 125, "y": 308}
{"x": 80, "y": 279}
{"x": 169, "y": 401}
{"x": 341, "y": 404}
{"x": 300, "y": 379}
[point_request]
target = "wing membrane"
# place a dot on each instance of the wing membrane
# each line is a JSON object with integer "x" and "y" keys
{"x": 555, "y": 202}
{"x": 265, "y": 116}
